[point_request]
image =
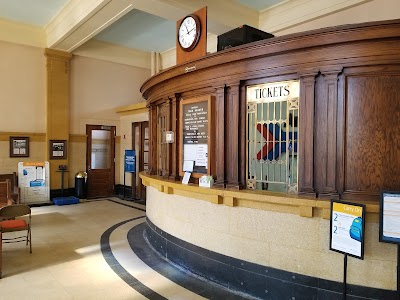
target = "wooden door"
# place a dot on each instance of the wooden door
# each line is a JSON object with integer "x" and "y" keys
{"x": 140, "y": 143}
{"x": 100, "y": 158}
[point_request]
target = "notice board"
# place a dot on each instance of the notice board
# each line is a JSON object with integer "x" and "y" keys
{"x": 196, "y": 130}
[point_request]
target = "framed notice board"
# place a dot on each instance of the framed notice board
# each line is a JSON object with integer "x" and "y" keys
{"x": 389, "y": 217}
{"x": 196, "y": 131}
{"x": 347, "y": 228}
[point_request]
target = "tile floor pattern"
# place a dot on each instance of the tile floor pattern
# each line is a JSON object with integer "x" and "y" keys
{"x": 67, "y": 260}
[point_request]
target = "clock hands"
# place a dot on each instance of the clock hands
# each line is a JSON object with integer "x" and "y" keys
{"x": 186, "y": 28}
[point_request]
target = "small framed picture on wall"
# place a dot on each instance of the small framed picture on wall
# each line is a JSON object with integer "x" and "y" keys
{"x": 58, "y": 149}
{"x": 19, "y": 146}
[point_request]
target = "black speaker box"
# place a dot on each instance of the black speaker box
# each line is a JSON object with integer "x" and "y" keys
{"x": 241, "y": 35}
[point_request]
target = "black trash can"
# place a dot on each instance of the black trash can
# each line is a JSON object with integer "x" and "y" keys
{"x": 80, "y": 185}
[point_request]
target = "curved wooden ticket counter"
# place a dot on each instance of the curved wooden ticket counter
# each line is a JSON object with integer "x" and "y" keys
{"x": 241, "y": 234}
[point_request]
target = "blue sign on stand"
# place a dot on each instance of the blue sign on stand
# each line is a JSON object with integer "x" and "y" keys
{"x": 130, "y": 161}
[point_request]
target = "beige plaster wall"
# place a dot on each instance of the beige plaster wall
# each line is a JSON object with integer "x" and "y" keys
{"x": 315, "y": 14}
{"x": 77, "y": 157}
{"x": 275, "y": 239}
{"x": 22, "y": 86}
{"x": 98, "y": 87}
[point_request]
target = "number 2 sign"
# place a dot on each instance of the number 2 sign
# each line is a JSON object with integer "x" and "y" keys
{"x": 347, "y": 228}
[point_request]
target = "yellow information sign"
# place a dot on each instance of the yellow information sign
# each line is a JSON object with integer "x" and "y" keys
{"x": 347, "y": 228}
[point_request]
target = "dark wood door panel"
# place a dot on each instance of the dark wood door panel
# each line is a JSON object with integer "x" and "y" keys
{"x": 372, "y": 140}
{"x": 140, "y": 143}
{"x": 100, "y": 160}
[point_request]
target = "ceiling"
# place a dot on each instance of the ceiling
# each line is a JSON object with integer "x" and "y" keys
{"x": 147, "y": 25}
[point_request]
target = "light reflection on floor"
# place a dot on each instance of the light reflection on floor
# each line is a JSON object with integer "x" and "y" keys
{"x": 67, "y": 262}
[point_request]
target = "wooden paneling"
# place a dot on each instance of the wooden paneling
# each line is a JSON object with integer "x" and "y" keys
{"x": 306, "y": 140}
{"x": 232, "y": 136}
{"x": 325, "y": 137}
{"x": 348, "y": 107}
{"x": 220, "y": 136}
{"x": 372, "y": 140}
{"x": 153, "y": 139}
{"x": 175, "y": 128}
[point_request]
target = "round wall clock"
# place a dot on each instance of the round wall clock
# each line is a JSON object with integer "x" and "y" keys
{"x": 189, "y": 32}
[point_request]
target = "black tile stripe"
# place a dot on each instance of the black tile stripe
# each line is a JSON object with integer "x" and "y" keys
{"x": 204, "y": 288}
{"x": 250, "y": 278}
{"x": 119, "y": 270}
{"x": 138, "y": 208}
{"x": 116, "y": 266}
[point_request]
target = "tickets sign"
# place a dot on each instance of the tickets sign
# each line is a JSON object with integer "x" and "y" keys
{"x": 347, "y": 228}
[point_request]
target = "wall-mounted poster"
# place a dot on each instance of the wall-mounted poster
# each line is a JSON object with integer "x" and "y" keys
{"x": 196, "y": 142}
{"x": 34, "y": 182}
{"x": 347, "y": 228}
{"x": 19, "y": 146}
{"x": 58, "y": 149}
{"x": 389, "y": 225}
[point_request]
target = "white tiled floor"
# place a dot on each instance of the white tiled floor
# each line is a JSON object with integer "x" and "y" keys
{"x": 67, "y": 262}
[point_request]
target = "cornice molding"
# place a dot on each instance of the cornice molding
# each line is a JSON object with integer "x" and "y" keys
{"x": 132, "y": 109}
{"x": 22, "y": 34}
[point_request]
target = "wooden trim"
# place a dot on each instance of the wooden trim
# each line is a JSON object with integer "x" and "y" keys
{"x": 16, "y": 151}
{"x": 153, "y": 140}
{"x": 220, "y": 136}
{"x": 262, "y": 200}
{"x": 33, "y": 137}
{"x": 292, "y": 43}
{"x": 232, "y": 137}
{"x": 175, "y": 152}
{"x": 328, "y": 188}
{"x": 77, "y": 138}
{"x": 306, "y": 141}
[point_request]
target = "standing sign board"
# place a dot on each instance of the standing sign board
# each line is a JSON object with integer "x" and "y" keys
{"x": 130, "y": 162}
{"x": 34, "y": 182}
{"x": 389, "y": 227}
{"x": 347, "y": 228}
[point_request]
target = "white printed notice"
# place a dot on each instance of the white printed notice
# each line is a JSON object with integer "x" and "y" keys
{"x": 34, "y": 182}
{"x": 197, "y": 153}
{"x": 390, "y": 216}
{"x": 347, "y": 226}
{"x": 201, "y": 155}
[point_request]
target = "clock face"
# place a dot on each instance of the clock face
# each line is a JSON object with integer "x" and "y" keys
{"x": 189, "y": 33}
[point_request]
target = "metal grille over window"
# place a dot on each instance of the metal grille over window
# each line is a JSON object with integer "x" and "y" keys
{"x": 272, "y": 136}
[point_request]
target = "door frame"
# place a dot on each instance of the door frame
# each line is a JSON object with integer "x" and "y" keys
{"x": 139, "y": 190}
{"x": 112, "y": 129}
